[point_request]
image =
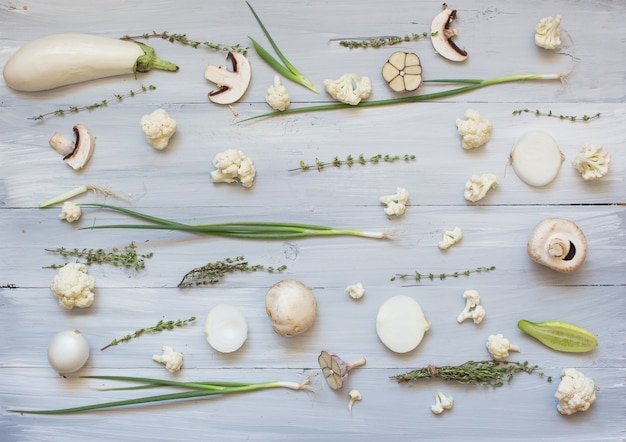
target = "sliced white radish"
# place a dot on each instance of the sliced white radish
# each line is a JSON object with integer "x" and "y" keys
{"x": 401, "y": 324}
{"x": 226, "y": 328}
{"x": 536, "y": 158}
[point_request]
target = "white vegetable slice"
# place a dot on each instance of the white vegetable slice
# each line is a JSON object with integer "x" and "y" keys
{"x": 68, "y": 351}
{"x": 401, "y": 324}
{"x": 536, "y": 158}
{"x": 226, "y": 328}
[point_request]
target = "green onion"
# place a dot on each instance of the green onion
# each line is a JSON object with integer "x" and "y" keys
{"x": 196, "y": 390}
{"x": 245, "y": 229}
{"x": 288, "y": 70}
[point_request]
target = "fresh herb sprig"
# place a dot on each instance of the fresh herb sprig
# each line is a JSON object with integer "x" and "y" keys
{"x": 213, "y": 272}
{"x": 182, "y": 39}
{"x": 431, "y": 276}
{"x": 162, "y": 325}
{"x": 351, "y": 161}
{"x": 486, "y": 373}
{"x": 126, "y": 257}
{"x": 549, "y": 113}
{"x": 90, "y": 107}
{"x": 378, "y": 42}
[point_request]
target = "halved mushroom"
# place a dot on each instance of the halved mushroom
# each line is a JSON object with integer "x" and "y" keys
{"x": 403, "y": 72}
{"x": 558, "y": 244}
{"x": 441, "y": 34}
{"x": 75, "y": 153}
{"x": 232, "y": 84}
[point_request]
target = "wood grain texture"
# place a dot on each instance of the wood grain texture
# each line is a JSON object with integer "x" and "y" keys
{"x": 176, "y": 184}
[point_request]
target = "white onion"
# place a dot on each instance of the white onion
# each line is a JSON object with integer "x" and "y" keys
{"x": 401, "y": 324}
{"x": 536, "y": 158}
{"x": 68, "y": 351}
{"x": 226, "y": 328}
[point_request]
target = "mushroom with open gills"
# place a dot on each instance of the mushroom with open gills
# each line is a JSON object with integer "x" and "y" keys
{"x": 403, "y": 72}
{"x": 441, "y": 34}
{"x": 558, "y": 244}
{"x": 232, "y": 84}
{"x": 75, "y": 153}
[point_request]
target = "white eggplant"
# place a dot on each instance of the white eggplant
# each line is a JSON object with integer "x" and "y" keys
{"x": 63, "y": 59}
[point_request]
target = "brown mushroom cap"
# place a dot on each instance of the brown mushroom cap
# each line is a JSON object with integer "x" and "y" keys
{"x": 558, "y": 244}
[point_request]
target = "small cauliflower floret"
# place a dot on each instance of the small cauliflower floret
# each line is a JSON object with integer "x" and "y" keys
{"x": 395, "y": 204}
{"x": 477, "y": 186}
{"x": 592, "y": 162}
{"x": 173, "y": 360}
{"x": 443, "y": 403}
{"x": 356, "y": 291}
{"x": 475, "y": 131}
{"x": 450, "y": 238}
{"x": 576, "y": 392}
{"x": 70, "y": 212}
{"x": 349, "y": 89}
{"x": 499, "y": 347}
{"x": 233, "y": 165}
{"x": 548, "y": 33}
{"x": 73, "y": 286}
{"x": 277, "y": 96}
{"x": 158, "y": 128}
{"x": 473, "y": 310}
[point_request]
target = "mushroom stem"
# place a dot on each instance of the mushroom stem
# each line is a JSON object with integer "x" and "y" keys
{"x": 62, "y": 144}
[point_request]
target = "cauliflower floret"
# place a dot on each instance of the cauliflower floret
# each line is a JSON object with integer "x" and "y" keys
{"x": 450, "y": 238}
{"x": 233, "y": 165}
{"x": 173, "y": 360}
{"x": 576, "y": 392}
{"x": 499, "y": 347}
{"x": 395, "y": 204}
{"x": 73, "y": 286}
{"x": 356, "y": 291}
{"x": 70, "y": 212}
{"x": 473, "y": 310}
{"x": 158, "y": 128}
{"x": 475, "y": 131}
{"x": 548, "y": 33}
{"x": 349, "y": 89}
{"x": 277, "y": 96}
{"x": 592, "y": 161}
{"x": 477, "y": 186}
{"x": 443, "y": 403}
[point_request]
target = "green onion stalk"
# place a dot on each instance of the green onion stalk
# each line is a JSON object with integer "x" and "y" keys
{"x": 194, "y": 390}
{"x": 244, "y": 229}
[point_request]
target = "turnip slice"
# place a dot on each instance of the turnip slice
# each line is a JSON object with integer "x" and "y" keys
{"x": 401, "y": 324}
{"x": 226, "y": 328}
{"x": 536, "y": 158}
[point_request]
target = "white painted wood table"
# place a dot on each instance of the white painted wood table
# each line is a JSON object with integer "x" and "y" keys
{"x": 176, "y": 184}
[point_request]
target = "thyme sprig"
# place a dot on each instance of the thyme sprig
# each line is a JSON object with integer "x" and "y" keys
{"x": 213, "y": 272}
{"x": 378, "y": 42}
{"x": 539, "y": 113}
{"x": 126, "y": 257}
{"x": 351, "y": 161}
{"x": 90, "y": 107}
{"x": 431, "y": 276}
{"x": 162, "y": 325}
{"x": 182, "y": 39}
{"x": 488, "y": 373}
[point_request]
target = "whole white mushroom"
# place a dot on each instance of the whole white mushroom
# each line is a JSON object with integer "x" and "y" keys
{"x": 291, "y": 306}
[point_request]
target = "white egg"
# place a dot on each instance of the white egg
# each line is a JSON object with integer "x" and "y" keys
{"x": 68, "y": 351}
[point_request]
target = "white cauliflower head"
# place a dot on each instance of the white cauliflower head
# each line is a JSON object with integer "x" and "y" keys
{"x": 349, "y": 88}
{"x": 475, "y": 131}
{"x": 576, "y": 392}
{"x": 158, "y": 127}
{"x": 173, "y": 360}
{"x": 356, "y": 291}
{"x": 548, "y": 32}
{"x": 477, "y": 186}
{"x": 450, "y": 238}
{"x": 73, "y": 286}
{"x": 70, "y": 212}
{"x": 499, "y": 347}
{"x": 233, "y": 165}
{"x": 592, "y": 162}
{"x": 396, "y": 203}
{"x": 277, "y": 96}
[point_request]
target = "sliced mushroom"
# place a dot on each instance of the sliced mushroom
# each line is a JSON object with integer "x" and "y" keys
{"x": 75, "y": 153}
{"x": 441, "y": 34}
{"x": 558, "y": 244}
{"x": 403, "y": 72}
{"x": 232, "y": 84}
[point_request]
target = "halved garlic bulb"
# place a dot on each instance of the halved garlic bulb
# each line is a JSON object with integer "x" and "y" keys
{"x": 403, "y": 72}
